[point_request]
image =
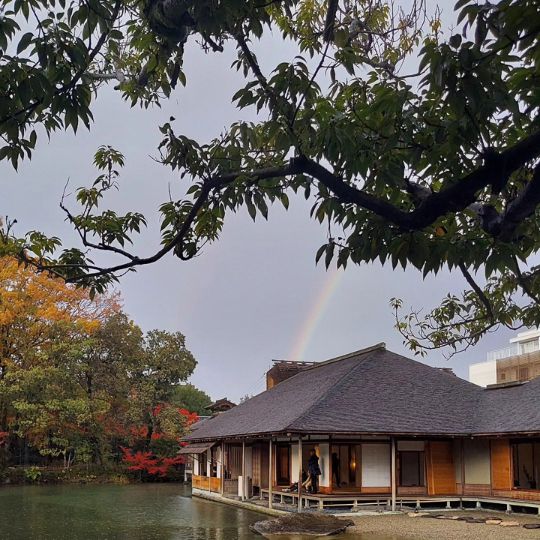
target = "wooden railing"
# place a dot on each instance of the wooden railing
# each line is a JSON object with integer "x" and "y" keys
{"x": 207, "y": 483}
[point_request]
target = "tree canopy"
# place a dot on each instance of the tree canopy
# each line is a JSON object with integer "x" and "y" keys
{"x": 80, "y": 380}
{"x": 418, "y": 147}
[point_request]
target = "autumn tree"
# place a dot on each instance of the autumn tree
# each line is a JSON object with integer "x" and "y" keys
{"x": 79, "y": 379}
{"x": 41, "y": 321}
{"x": 417, "y": 147}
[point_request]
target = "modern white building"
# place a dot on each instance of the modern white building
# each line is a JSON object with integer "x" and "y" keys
{"x": 520, "y": 361}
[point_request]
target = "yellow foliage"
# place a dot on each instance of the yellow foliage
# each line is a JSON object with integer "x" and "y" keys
{"x": 34, "y": 306}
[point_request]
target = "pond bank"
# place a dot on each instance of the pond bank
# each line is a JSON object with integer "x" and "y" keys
{"x": 33, "y": 475}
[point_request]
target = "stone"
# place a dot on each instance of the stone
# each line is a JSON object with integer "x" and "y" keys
{"x": 508, "y": 524}
{"x": 493, "y": 521}
{"x": 474, "y": 520}
{"x": 302, "y": 524}
{"x": 417, "y": 514}
{"x": 531, "y": 526}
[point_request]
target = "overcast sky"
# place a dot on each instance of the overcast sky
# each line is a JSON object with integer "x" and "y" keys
{"x": 254, "y": 296}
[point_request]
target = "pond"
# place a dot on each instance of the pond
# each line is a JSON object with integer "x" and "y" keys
{"x": 134, "y": 512}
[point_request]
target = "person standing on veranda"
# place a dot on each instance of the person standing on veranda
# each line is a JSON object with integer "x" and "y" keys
{"x": 314, "y": 470}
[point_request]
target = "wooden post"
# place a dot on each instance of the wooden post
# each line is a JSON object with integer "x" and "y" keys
{"x": 462, "y": 471}
{"x": 299, "y": 473}
{"x": 270, "y": 478}
{"x": 243, "y": 470}
{"x": 393, "y": 474}
{"x": 222, "y": 486}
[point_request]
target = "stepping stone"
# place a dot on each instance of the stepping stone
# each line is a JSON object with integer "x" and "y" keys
{"x": 493, "y": 521}
{"x": 474, "y": 520}
{"x": 531, "y": 526}
{"x": 418, "y": 514}
{"x": 508, "y": 524}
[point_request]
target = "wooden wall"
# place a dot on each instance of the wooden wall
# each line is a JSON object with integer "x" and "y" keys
{"x": 501, "y": 464}
{"x": 207, "y": 483}
{"x": 260, "y": 465}
{"x": 441, "y": 476}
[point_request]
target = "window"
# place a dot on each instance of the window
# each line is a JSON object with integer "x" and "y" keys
{"x": 213, "y": 462}
{"x": 411, "y": 469}
{"x": 346, "y": 465}
{"x": 529, "y": 346}
{"x": 526, "y": 465}
{"x": 283, "y": 459}
{"x": 203, "y": 461}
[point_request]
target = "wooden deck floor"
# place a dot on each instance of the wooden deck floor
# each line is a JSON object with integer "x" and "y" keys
{"x": 355, "y": 500}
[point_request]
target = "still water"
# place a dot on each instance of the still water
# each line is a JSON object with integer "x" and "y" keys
{"x": 134, "y": 512}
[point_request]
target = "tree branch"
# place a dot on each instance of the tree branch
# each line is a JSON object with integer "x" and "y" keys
{"x": 523, "y": 206}
{"x": 330, "y": 20}
{"x": 479, "y": 292}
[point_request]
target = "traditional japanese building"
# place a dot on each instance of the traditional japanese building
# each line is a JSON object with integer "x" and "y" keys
{"x": 387, "y": 429}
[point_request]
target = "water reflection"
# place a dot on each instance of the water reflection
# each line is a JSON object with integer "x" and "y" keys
{"x": 138, "y": 512}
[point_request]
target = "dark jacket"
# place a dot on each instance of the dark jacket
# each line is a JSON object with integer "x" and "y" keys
{"x": 313, "y": 465}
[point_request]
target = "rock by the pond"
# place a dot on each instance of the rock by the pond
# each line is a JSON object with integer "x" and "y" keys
{"x": 305, "y": 524}
{"x": 531, "y": 526}
{"x": 508, "y": 524}
{"x": 417, "y": 514}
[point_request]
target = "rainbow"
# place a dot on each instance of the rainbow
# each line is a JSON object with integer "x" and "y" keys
{"x": 315, "y": 315}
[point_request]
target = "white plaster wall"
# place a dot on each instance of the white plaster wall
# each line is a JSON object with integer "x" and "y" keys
{"x": 324, "y": 464}
{"x": 219, "y": 458}
{"x": 477, "y": 462}
{"x": 196, "y": 465}
{"x": 410, "y": 446}
{"x": 294, "y": 463}
{"x": 375, "y": 465}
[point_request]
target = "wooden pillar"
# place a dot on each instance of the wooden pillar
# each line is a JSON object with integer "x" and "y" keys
{"x": 299, "y": 473}
{"x": 393, "y": 474}
{"x": 270, "y": 475}
{"x": 462, "y": 470}
{"x": 243, "y": 470}
{"x": 222, "y": 483}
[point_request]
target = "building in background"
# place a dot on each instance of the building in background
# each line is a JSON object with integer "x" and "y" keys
{"x": 283, "y": 370}
{"x": 518, "y": 362}
{"x": 219, "y": 406}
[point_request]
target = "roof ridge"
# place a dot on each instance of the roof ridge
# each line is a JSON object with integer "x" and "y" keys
{"x": 343, "y": 377}
{"x": 377, "y": 346}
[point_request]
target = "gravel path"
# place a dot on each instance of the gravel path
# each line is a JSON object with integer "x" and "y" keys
{"x": 403, "y": 527}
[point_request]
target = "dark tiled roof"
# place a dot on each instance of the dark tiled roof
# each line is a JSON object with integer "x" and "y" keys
{"x": 511, "y": 409}
{"x": 378, "y": 391}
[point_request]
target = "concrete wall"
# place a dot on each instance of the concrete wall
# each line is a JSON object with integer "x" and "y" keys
{"x": 483, "y": 373}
